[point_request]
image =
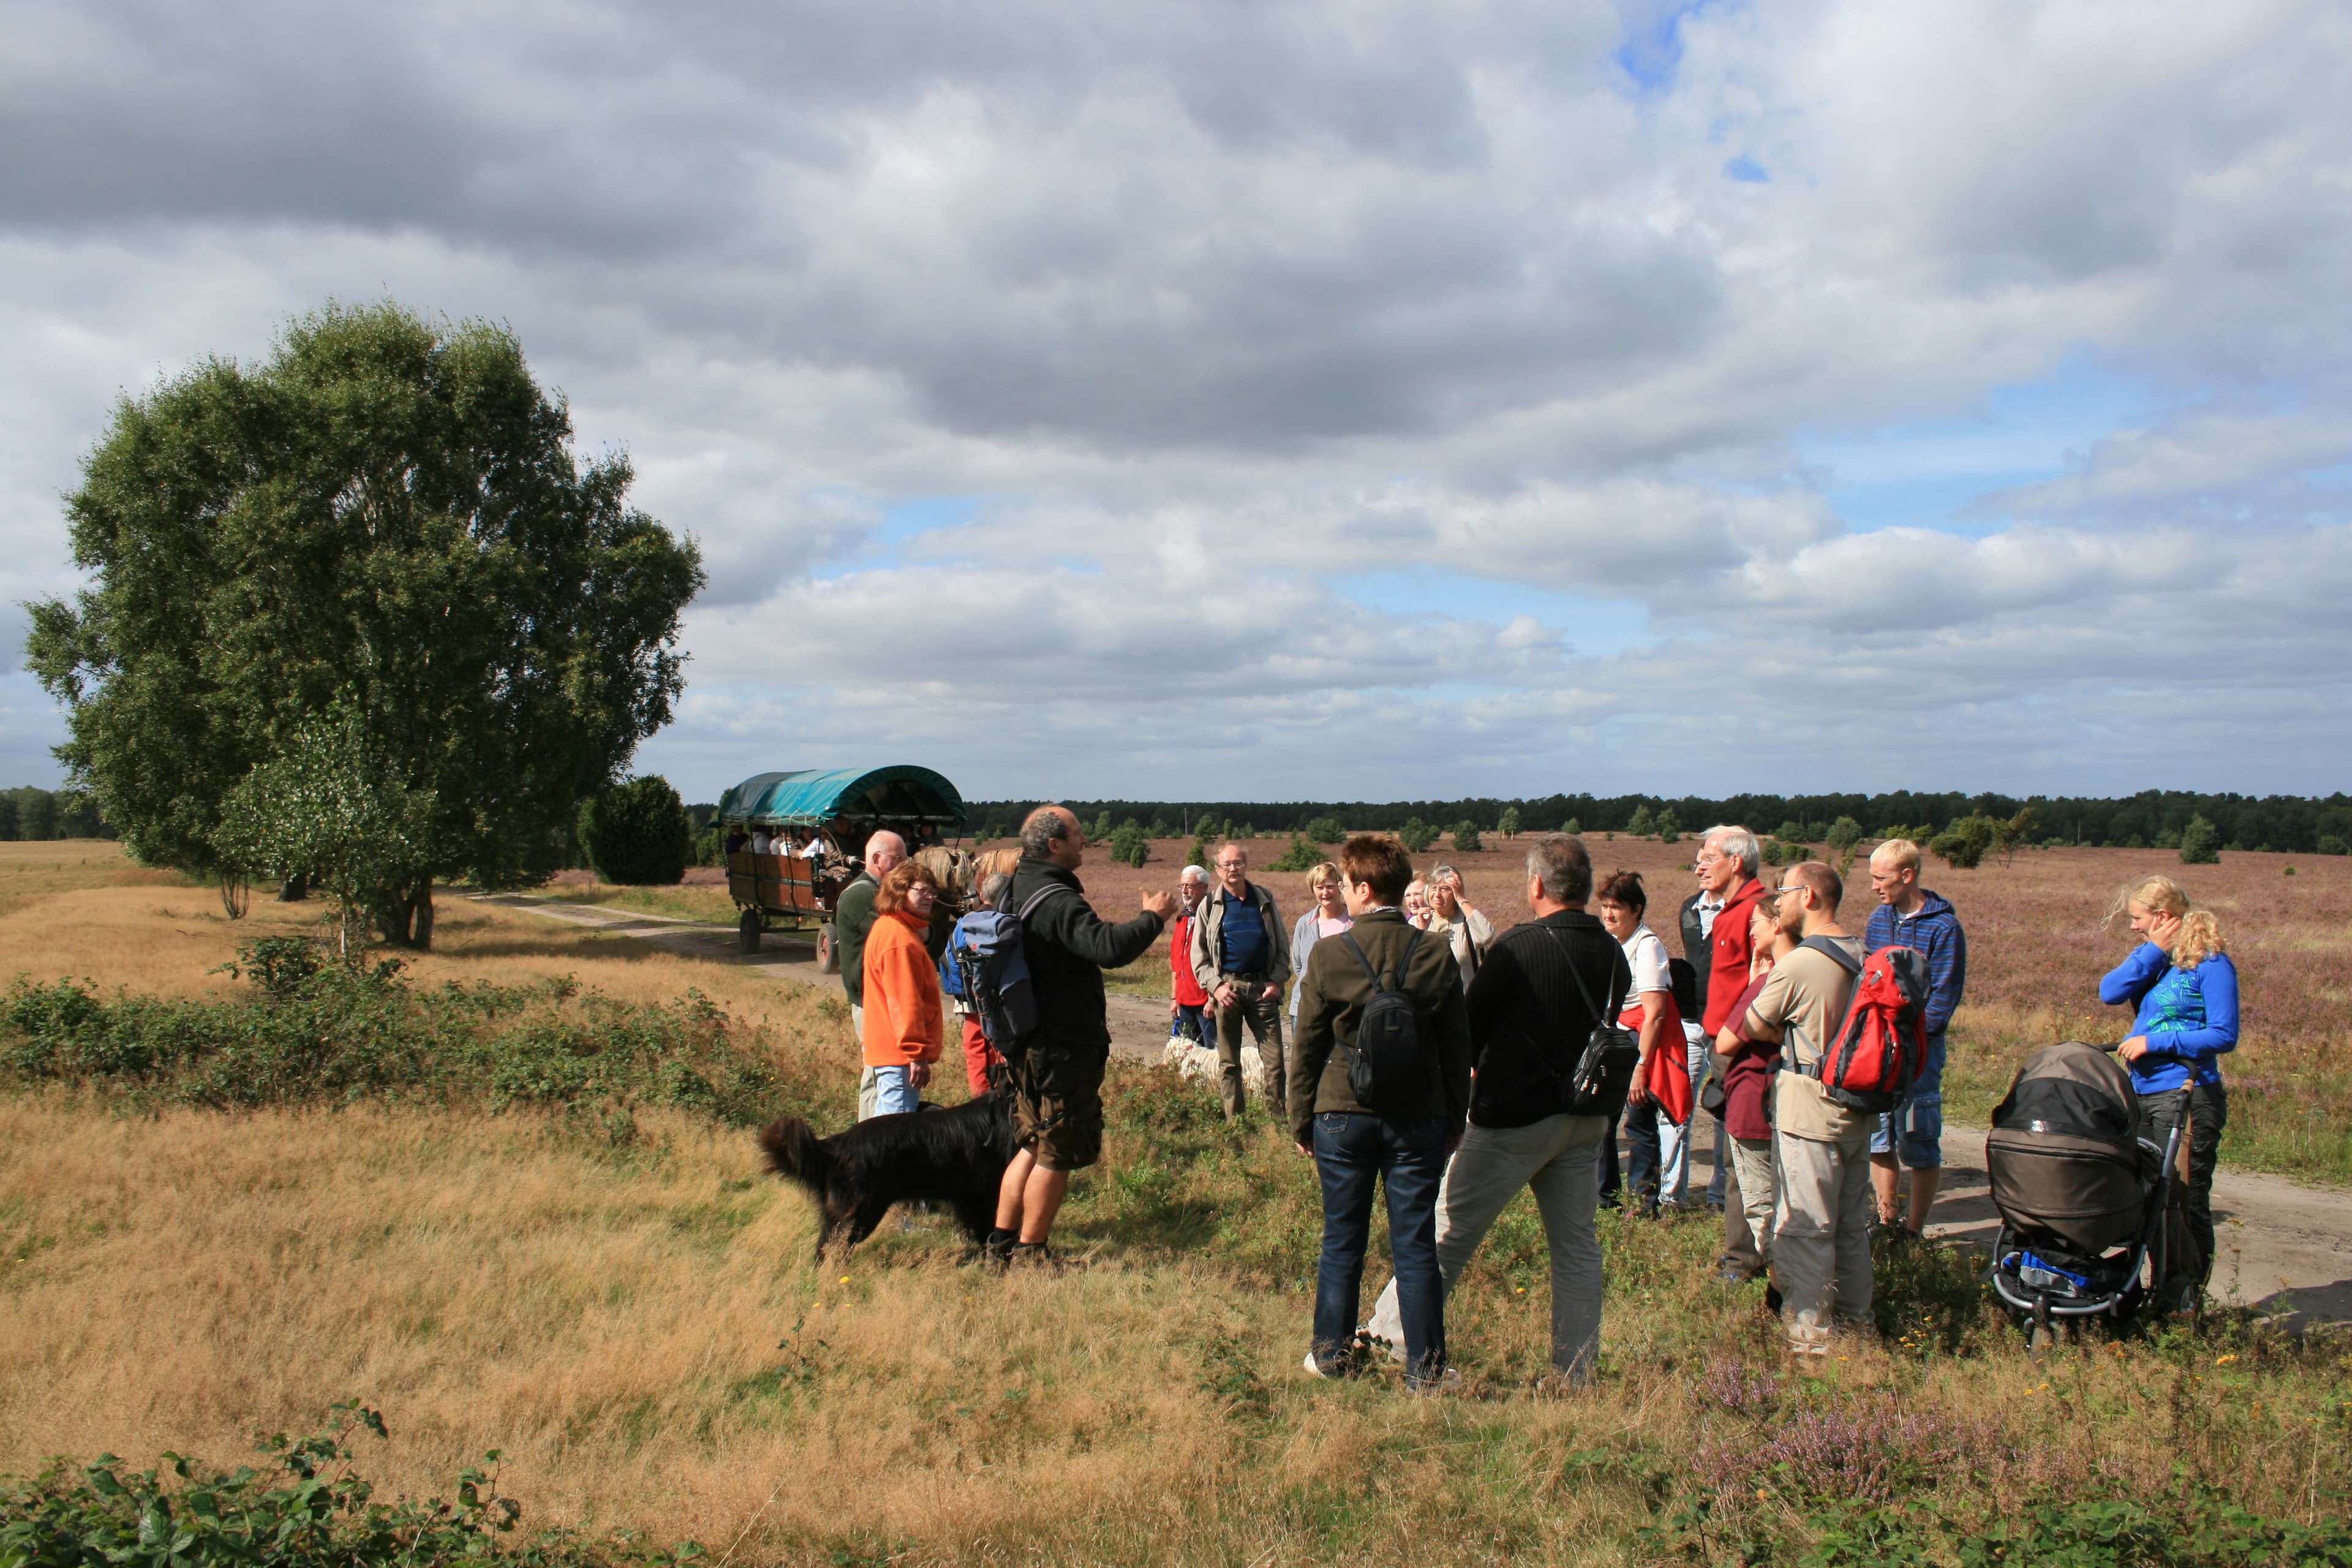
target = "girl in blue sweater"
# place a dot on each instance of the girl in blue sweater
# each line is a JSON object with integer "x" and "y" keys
{"x": 2184, "y": 989}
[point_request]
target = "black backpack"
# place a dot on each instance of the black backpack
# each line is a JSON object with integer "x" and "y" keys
{"x": 1385, "y": 1066}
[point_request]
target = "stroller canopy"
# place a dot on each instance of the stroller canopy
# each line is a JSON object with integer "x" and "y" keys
{"x": 2063, "y": 1155}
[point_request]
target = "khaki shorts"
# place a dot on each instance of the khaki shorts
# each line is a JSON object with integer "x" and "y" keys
{"x": 1057, "y": 1106}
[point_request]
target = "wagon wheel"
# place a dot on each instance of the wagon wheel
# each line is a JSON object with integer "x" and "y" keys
{"x": 747, "y": 930}
{"x": 828, "y": 955}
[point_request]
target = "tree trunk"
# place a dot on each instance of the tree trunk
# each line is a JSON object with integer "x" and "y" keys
{"x": 294, "y": 888}
{"x": 420, "y": 933}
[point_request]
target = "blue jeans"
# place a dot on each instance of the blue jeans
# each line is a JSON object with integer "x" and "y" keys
{"x": 893, "y": 1095}
{"x": 1193, "y": 1024}
{"x": 1657, "y": 1153}
{"x": 1915, "y": 1129}
{"x": 1406, "y": 1153}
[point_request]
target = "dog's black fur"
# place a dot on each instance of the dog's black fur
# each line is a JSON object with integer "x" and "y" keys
{"x": 954, "y": 1156}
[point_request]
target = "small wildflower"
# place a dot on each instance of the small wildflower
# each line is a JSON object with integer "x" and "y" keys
{"x": 845, "y": 1279}
{"x": 2223, "y": 1361}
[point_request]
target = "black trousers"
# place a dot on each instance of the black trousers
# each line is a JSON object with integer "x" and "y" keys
{"x": 2208, "y": 1111}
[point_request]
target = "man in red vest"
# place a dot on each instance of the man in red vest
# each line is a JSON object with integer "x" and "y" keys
{"x": 1726, "y": 864}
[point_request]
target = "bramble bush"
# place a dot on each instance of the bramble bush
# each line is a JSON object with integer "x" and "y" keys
{"x": 319, "y": 1033}
{"x": 309, "y": 1510}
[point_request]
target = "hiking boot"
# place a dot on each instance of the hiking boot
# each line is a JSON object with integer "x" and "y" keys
{"x": 1032, "y": 1254}
{"x": 997, "y": 1250}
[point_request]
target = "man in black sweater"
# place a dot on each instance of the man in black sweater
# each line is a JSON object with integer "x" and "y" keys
{"x": 1543, "y": 988}
{"x": 1057, "y": 1083}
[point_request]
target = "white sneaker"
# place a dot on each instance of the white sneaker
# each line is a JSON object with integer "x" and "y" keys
{"x": 1314, "y": 1369}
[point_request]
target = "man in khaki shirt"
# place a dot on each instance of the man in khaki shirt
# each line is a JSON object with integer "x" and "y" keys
{"x": 1821, "y": 1246}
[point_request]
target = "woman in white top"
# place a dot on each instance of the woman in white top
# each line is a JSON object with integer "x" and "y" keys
{"x": 1654, "y": 1145}
{"x": 1326, "y": 916}
{"x": 1466, "y": 931}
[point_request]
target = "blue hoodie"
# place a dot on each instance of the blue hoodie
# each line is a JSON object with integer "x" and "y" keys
{"x": 2188, "y": 1016}
{"x": 1935, "y": 933}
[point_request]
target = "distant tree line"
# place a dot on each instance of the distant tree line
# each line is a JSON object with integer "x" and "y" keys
{"x": 35, "y": 815}
{"x": 2152, "y": 818}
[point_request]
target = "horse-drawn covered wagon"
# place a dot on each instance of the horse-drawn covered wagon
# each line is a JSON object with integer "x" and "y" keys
{"x": 816, "y": 824}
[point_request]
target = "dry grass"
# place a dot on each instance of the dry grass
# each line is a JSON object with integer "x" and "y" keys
{"x": 642, "y": 1331}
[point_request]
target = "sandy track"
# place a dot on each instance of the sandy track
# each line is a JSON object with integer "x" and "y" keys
{"x": 2284, "y": 1245}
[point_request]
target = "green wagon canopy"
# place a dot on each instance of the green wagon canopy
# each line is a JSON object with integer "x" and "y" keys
{"x": 845, "y": 799}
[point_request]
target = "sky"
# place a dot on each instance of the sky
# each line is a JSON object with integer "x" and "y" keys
{"x": 1308, "y": 400}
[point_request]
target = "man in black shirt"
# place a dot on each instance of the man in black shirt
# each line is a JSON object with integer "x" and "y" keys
{"x": 1057, "y": 1083}
{"x": 1543, "y": 988}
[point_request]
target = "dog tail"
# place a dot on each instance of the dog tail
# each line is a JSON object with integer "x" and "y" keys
{"x": 793, "y": 1152}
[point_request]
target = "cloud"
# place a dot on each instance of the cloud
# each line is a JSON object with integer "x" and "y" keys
{"x": 1216, "y": 308}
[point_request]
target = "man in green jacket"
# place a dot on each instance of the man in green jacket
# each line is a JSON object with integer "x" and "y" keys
{"x": 1403, "y": 1146}
{"x": 852, "y": 917}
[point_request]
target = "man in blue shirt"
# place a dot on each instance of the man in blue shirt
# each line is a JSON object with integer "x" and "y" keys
{"x": 1908, "y": 915}
{"x": 1242, "y": 961}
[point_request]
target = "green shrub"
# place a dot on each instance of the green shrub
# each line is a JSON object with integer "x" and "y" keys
{"x": 1508, "y": 824}
{"x": 1128, "y": 845}
{"x": 1640, "y": 825}
{"x": 1466, "y": 835}
{"x": 2330, "y": 844}
{"x": 1416, "y": 835}
{"x": 1326, "y": 830}
{"x": 636, "y": 834}
{"x": 1571, "y": 826}
{"x": 2201, "y": 843}
{"x": 1300, "y": 855}
{"x": 1962, "y": 846}
{"x": 1789, "y": 832}
{"x": 331, "y": 1036}
{"x": 306, "y": 1509}
{"x": 1845, "y": 834}
{"x": 1669, "y": 826}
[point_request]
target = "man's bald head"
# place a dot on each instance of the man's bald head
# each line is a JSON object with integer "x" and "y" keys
{"x": 1052, "y": 833}
{"x": 884, "y": 851}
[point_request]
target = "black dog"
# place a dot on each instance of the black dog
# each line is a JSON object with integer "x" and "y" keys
{"x": 956, "y": 1157}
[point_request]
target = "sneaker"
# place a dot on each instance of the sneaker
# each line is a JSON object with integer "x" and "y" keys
{"x": 1314, "y": 1367}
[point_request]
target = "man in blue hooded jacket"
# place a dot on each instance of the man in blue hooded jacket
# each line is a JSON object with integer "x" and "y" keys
{"x": 1908, "y": 915}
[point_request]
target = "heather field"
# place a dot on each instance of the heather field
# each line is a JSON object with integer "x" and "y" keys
{"x": 508, "y": 1197}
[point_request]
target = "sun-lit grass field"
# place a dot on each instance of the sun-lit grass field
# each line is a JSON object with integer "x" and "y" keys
{"x": 626, "y": 1307}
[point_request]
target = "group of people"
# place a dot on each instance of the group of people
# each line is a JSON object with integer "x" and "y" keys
{"x": 1733, "y": 1027}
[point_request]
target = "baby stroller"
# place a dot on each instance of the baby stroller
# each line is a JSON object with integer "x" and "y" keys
{"x": 2086, "y": 1203}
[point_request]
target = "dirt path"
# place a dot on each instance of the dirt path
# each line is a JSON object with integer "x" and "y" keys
{"x": 2284, "y": 1245}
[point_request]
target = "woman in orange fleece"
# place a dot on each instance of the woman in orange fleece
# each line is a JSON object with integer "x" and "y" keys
{"x": 901, "y": 1037}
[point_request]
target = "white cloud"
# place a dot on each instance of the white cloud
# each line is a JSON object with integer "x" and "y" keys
{"x": 1210, "y": 307}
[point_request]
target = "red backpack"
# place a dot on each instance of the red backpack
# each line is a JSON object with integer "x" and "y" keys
{"x": 1882, "y": 1047}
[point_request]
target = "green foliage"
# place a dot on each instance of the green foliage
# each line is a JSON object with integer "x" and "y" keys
{"x": 34, "y": 814}
{"x": 1641, "y": 824}
{"x": 1326, "y": 830}
{"x": 1466, "y": 835}
{"x": 1789, "y": 832}
{"x": 1962, "y": 846}
{"x": 1508, "y": 825}
{"x": 387, "y": 509}
{"x": 306, "y": 1509}
{"x": 1158, "y": 830}
{"x": 1845, "y": 834}
{"x": 331, "y": 807}
{"x": 1416, "y": 835}
{"x": 2329, "y": 843}
{"x": 1197, "y": 853}
{"x": 1669, "y": 827}
{"x": 2201, "y": 843}
{"x": 636, "y": 834}
{"x": 1571, "y": 826}
{"x": 1300, "y": 855}
{"x": 1101, "y": 831}
{"x": 1769, "y": 852}
{"x": 330, "y": 1034}
{"x": 1129, "y": 845}
{"x": 710, "y": 846}
{"x": 2203, "y": 1529}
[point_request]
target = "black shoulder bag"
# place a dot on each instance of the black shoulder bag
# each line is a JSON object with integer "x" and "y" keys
{"x": 1604, "y": 1068}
